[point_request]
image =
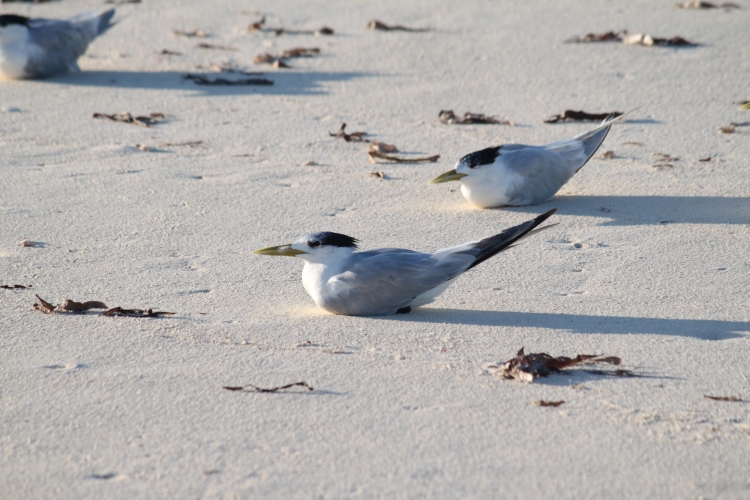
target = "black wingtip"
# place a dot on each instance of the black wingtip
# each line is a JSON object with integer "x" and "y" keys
{"x": 495, "y": 244}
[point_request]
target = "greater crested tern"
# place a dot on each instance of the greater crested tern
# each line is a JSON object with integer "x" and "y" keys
{"x": 517, "y": 174}
{"x": 386, "y": 281}
{"x": 38, "y": 48}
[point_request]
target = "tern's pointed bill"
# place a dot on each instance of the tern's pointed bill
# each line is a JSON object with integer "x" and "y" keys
{"x": 342, "y": 280}
{"x": 282, "y": 250}
{"x": 517, "y": 174}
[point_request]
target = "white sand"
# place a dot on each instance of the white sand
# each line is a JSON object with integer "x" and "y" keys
{"x": 403, "y": 406}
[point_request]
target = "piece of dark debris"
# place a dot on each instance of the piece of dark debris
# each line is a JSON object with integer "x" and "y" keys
{"x": 167, "y": 52}
{"x": 378, "y": 174}
{"x": 542, "y": 402}
{"x": 260, "y": 26}
{"x": 374, "y": 156}
{"x": 300, "y": 52}
{"x": 274, "y": 61}
{"x": 632, "y": 143}
{"x": 379, "y": 25}
{"x": 527, "y": 367}
{"x": 706, "y": 159}
{"x": 121, "y": 2}
{"x": 196, "y": 33}
{"x": 353, "y": 137}
{"x": 211, "y": 472}
{"x": 136, "y": 313}
{"x": 572, "y": 115}
{"x": 14, "y": 287}
{"x": 125, "y": 117}
{"x": 607, "y": 155}
{"x": 212, "y": 46}
{"x": 729, "y": 129}
{"x": 255, "y": 388}
{"x": 27, "y": 243}
{"x": 449, "y": 117}
{"x": 204, "y": 80}
{"x": 609, "y": 36}
{"x": 725, "y": 398}
{"x": 706, "y": 5}
{"x": 649, "y": 41}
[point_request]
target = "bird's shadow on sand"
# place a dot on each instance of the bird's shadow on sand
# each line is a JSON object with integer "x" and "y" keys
{"x": 649, "y": 210}
{"x": 284, "y": 83}
{"x": 579, "y": 323}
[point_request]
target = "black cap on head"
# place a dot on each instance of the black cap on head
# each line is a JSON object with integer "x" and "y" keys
{"x": 8, "y": 19}
{"x": 328, "y": 238}
{"x": 483, "y": 157}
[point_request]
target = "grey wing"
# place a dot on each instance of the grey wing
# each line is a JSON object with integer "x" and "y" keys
{"x": 58, "y": 45}
{"x": 534, "y": 174}
{"x": 383, "y": 281}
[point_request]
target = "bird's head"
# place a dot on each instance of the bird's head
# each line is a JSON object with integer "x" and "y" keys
{"x": 13, "y": 28}
{"x": 316, "y": 247}
{"x": 468, "y": 165}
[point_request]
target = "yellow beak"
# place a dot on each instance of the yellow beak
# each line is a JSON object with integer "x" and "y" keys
{"x": 447, "y": 177}
{"x": 283, "y": 250}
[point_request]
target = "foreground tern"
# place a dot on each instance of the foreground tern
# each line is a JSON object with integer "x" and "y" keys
{"x": 388, "y": 280}
{"x": 37, "y": 48}
{"x": 516, "y": 174}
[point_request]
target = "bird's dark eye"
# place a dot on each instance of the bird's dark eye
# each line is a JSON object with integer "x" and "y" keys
{"x": 313, "y": 244}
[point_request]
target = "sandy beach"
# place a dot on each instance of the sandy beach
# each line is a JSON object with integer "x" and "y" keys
{"x": 650, "y": 261}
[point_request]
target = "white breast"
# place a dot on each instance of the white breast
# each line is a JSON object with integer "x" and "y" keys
{"x": 14, "y": 51}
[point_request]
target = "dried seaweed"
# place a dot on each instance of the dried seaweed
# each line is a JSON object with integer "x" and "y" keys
{"x": 167, "y": 52}
{"x": 607, "y": 155}
{"x": 725, "y": 398}
{"x": 353, "y": 137}
{"x": 609, "y": 36}
{"x": 191, "y": 34}
{"x": 212, "y": 46}
{"x": 203, "y": 80}
{"x": 191, "y": 144}
{"x": 73, "y": 306}
{"x": 649, "y": 41}
{"x": 664, "y": 160}
{"x": 254, "y": 388}
{"x": 571, "y": 115}
{"x": 13, "y": 287}
{"x": 125, "y": 117}
{"x": 542, "y": 402}
{"x": 729, "y": 129}
{"x": 528, "y": 367}
{"x": 44, "y": 306}
{"x": 136, "y": 313}
{"x": 381, "y": 26}
{"x": 278, "y": 61}
{"x": 707, "y": 158}
{"x": 706, "y": 5}
{"x": 260, "y": 26}
{"x": 399, "y": 159}
{"x": 449, "y": 117}
{"x": 33, "y": 244}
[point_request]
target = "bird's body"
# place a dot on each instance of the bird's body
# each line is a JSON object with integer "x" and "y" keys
{"x": 517, "y": 174}
{"x": 379, "y": 282}
{"x": 38, "y": 48}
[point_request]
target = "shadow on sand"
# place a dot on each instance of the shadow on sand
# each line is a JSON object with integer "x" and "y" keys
{"x": 284, "y": 83}
{"x": 696, "y": 328}
{"x": 649, "y": 210}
